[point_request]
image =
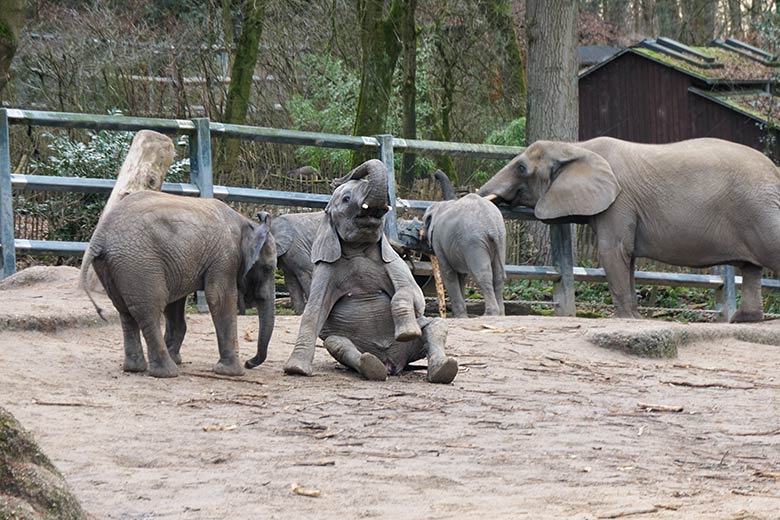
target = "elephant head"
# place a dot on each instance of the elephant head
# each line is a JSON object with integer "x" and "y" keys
{"x": 355, "y": 213}
{"x": 557, "y": 179}
{"x": 257, "y": 267}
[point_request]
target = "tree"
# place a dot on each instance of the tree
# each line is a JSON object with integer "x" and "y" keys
{"x": 616, "y": 12}
{"x": 501, "y": 22}
{"x": 407, "y": 32}
{"x": 552, "y": 59}
{"x": 242, "y": 72}
{"x": 698, "y": 21}
{"x": 735, "y": 18}
{"x": 11, "y": 23}
{"x": 668, "y": 15}
{"x": 381, "y": 47}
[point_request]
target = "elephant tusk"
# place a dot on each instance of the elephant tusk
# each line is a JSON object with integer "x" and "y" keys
{"x": 364, "y": 206}
{"x": 389, "y": 207}
{"x": 490, "y": 197}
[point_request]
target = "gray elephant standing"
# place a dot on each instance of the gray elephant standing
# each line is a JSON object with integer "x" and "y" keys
{"x": 468, "y": 236}
{"x": 154, "y": 249}
{"x": 364, "y": 302}
{"x": 695, "y": 203}
{"x": 294, "y": 234}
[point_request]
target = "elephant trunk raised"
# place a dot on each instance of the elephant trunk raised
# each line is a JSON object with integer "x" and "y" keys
{"x": 374, "y": 172}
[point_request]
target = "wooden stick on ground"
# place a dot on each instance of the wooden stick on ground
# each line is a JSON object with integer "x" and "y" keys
{"x": 439, "y": 287}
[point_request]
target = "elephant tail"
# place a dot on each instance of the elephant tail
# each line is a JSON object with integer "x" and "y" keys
{"x": 92, "y": 252}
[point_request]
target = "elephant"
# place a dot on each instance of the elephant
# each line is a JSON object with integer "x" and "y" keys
{"x": 364, "y": 303}
{"x": 468, "y": 236}
{"x": 294, "y": 234}
{"x": 153, "y": 249}
{"x": 696, "y": 203}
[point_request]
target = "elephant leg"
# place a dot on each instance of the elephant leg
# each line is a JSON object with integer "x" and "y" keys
{"x": 134, "y": 351}
{"x": 751, "y": 307}
{"x": 402, "y": 308}
{"x": 296, "y": 294}
{"x": 479, "y": 264}
{"x": 160, "y": 362}
{"x": 222, "y": 305}
{"x": 619, "y": 267}
{"x": 497, "y": 267}
{"x": 175, "y": 328}
{"x": 454, "y": 283}
{"x": 366, "y": 364}
{"x": 441, "y": 368}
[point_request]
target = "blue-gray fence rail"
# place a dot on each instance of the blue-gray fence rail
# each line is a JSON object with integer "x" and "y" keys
{"x": 200, "y": 130}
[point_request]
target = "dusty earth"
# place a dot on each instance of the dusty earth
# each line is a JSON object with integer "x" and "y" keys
{"x": 539, "y": 423}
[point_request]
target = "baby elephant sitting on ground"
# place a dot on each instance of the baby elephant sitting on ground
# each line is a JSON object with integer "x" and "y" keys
{"x": 364, "y": 302}
{"x": 153, "y": 249}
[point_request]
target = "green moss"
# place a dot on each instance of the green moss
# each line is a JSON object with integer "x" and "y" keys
{"x": 677, "y": 64}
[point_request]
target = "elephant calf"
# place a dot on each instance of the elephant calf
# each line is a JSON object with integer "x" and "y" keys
{"x": 294, "y": 234}
{"x": 468, "y": 237}
{"x": 364, "y": 302}
{"x": 154, "y": 249}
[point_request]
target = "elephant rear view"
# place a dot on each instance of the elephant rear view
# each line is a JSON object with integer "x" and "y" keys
{"x": 695, "y": 203}
{"x": 294, "y": 234}
{"x": 154, "y": 249}
{"x": 468, "y": 236}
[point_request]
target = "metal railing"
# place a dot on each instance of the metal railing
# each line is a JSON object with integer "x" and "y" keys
{"x": 200, "y": 131}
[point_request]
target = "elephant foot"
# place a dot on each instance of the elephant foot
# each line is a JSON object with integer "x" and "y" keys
{"x": 297, "y": 365}
{"x": 176, "y": 357}
{"x": 742, "y": 316}
{"x": 231, "y": 368}
{"x": 372, "y": 368}
{"x": 444, "y": 372}
{"x": 255, "y": 362}
{"x": 135, "y": 364}
{"x": 166, "y": 368}
{"x": 407, "y": 330}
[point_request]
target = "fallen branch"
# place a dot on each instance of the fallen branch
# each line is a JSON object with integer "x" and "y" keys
{"x": 305, "y": 492}
{"x": 629, "y": 512}
{"x": 756, "y": 434}
{"x": 315, "y": 463}
{"x": 659, "y": 407}
{"x": 221, "y": 401}
{"x": 55, "y": 403}
{"x": 708, "y": 385}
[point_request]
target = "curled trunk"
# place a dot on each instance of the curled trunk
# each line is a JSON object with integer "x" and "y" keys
{"x": 447, "y": 190}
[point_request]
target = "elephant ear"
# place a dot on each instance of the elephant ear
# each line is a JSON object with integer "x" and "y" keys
{"x": 253, "y": 239}
{"x": 583, "y": 183}
{"x": 283, "y": 233}
{"x": 388, "y": 253}
{"x": 429, "y": 224}
{"x": 326, "y": 247}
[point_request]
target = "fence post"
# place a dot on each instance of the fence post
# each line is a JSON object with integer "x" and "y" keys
{"x": 386, "y": 156}
{"x": 726, "y": 295}
{"x": 201, "y": 174}
{"x": 8, "y": 254}
{"x": 563, "y": 259}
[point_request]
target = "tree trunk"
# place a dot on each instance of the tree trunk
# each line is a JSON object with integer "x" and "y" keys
{"x": 499, "y": 16}
{"x": 551, "y": 28}
{"x": 698, "y": 21}
{"x": 407, "y": 32}
{"x": 735, "y": 18}
{"x": 381, "y": 47}
{"x": 668, "y": 16}
{"x": 647, "y": 16}
{"x": 441, "y": 112}
{"x": 241, "y": 74}
{"x": 11, "y": 24}
{"x": 616, "y": 12}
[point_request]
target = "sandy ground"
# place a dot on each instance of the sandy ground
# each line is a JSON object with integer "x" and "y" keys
{"x": 539, "y": 423}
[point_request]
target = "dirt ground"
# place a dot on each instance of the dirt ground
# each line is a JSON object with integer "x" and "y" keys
{"x": 539, "y": 423}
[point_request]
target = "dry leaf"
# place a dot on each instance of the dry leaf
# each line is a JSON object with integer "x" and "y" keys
{"x": 219, "y": 428}
{"x": 247, "y": 335}
{"x": 306, "y": 492}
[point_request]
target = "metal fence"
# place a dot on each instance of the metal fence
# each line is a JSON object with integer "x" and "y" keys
{"x": 200, "y": 131}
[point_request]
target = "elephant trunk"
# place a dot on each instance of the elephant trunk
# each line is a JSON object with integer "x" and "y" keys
{"x": 377, "y": 196}
{"x": 447, "y": 190}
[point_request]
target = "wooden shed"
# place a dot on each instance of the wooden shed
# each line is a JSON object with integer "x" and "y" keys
{"x": 660, "y": 91}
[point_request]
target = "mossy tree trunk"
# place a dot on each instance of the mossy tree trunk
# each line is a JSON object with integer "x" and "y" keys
{"x": 241, "y": 74}
{"x": 698, "y": 21}
{"x": 381, "y": 47}
{"x": 407, "y": 31}
{"x": 668, "y": 15}
{"x": 553, "y": 107}
{"x": 445, "y": 100}
{"x": 499, "y": 16}
{"x": 11, "y": 24}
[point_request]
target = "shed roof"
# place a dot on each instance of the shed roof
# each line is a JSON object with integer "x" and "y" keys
{"x": 756, "y": 104}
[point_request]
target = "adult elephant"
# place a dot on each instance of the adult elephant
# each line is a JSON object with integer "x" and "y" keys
{"x": 364, "y": 302}
{"x": 468, "y": 236}
{"x": 154, "y": 249}
{"x": 294, "y": 234}
{"x": 695, "y": 203}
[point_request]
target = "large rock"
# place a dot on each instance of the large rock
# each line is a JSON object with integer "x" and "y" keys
{"x": 30, "y": 485}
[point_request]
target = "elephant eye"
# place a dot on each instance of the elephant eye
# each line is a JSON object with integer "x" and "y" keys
{"x": 522, "y": 169}
{"x": 346, "y": 199}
